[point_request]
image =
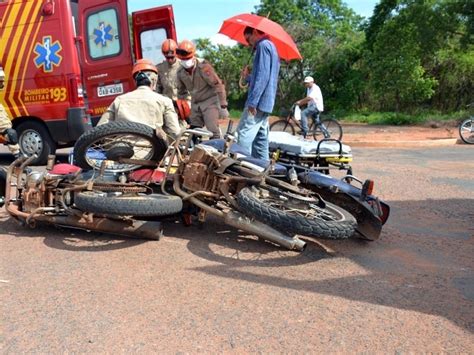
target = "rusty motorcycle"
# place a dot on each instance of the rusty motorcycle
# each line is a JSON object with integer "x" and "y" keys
{"x": 127, "y": 178}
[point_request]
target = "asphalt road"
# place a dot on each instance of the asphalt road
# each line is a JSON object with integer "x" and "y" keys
{"x": 218, "y": 290}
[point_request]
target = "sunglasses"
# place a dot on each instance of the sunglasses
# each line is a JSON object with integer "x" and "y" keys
{"x": 182, "y": 52}
{"x": 169, "y": 57}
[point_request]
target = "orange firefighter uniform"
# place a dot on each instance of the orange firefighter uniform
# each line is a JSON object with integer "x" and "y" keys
{"x": 208, "y": 95}
{"x": 145, "y": 106}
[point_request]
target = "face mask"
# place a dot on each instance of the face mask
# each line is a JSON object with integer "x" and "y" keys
{"x": 188, "y": 63}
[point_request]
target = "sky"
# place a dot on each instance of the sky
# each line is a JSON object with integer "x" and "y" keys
{"x": 202, "y": 19}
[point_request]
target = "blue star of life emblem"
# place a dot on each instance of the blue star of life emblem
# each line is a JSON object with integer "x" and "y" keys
{"x": 48, "y": 54}
{"x": 102, "y": 34}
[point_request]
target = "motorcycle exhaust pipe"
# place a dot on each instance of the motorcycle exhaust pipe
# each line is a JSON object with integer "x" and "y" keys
{"x": 136, "y": 229}
{"x": 240, "y": 221}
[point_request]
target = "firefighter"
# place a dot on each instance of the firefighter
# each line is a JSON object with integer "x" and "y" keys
{"x": 167, "y": 80}
{"x": 6, "y": 130}
{"x": 144, "y": 105}
{"x": 208, "y": 96}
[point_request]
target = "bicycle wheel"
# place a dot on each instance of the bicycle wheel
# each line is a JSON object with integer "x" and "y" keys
{"x": 282, "y": 125}
{"x": 328, "y": 128}
{"x": 466, "y": 131}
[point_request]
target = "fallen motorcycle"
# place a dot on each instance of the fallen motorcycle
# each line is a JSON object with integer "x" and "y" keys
{"x": 308, "y": 163}
{"x": 116, "y": 197}
{"x": 213, "y": 181}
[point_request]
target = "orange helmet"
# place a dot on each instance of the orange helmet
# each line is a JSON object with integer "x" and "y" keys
{"x": 186, "y": 50}
{"x": 143, "y": 65}
{"x": 168, "y": 48}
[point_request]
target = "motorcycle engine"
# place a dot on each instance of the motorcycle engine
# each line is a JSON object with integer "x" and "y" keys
{"x": 32, "y": 194}
{"x": 196, "y": 174}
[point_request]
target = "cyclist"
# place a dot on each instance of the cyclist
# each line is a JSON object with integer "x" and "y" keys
{"x": 314, "y": 102}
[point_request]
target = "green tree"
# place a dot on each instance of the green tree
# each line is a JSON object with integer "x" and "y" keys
{"x": 328, "y": 37}
{"x": 411, "y": 44}
{"x": 397, "y": 78}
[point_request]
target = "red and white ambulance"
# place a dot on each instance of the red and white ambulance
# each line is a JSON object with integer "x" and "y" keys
{"x": 66, "y": 60}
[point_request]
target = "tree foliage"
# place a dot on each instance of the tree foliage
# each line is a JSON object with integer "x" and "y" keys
{"x": 409, "y": 54}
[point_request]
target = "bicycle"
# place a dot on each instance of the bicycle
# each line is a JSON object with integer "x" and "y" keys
{"x": 466, "y": 130}
{"x": 319, "y": 128}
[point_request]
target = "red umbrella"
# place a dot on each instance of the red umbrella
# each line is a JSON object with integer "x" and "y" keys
{"x": 234, "y": 28}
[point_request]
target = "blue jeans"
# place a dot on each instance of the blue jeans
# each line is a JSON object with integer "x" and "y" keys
{"x": 308, "y": 111}
{"x": 252, "y": 134}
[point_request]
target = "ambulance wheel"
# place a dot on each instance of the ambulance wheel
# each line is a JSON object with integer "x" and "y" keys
{"x": 34, "y": 138}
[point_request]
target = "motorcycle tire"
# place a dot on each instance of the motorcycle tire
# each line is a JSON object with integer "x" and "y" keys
{"x": 331, "y": 222}
{"x": 109, "y": 134}
{"x": 128, "y": 205}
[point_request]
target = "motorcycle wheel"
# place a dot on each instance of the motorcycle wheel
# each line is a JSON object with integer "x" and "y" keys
{"x": 127, "y": 139}
{"x": 128, "y": 205}
{"x": 296, "y": 216}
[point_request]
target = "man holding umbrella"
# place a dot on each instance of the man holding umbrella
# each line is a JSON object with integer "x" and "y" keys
{"x": 252, "y": 131}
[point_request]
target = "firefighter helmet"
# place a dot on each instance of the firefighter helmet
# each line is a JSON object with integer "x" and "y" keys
{"x": 186, "y": 50}
{"x": 168, "y": 47}
{"x": 143, "y": 65}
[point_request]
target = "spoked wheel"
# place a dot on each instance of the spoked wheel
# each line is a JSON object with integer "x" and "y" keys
{"x": 116, "y": 140}
{"x": 282, "y": 126}
{"x": 296, "y": 214}
{"x": 329, "y": 128}
{"x": 466, "y": 131}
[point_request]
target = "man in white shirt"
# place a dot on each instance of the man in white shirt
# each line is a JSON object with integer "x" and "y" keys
{"x": 314, "y": 102}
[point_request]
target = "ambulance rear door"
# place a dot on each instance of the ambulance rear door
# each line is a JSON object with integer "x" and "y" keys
{"x": 103, "y": 43}
{"x": 150, "y": 28}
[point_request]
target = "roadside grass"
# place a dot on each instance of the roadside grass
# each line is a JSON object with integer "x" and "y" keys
{"x": 402, "y": 119}
{"x": 390, "y": 118}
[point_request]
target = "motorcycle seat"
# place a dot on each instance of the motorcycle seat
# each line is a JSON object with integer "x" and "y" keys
{"x": 64, "y": 169}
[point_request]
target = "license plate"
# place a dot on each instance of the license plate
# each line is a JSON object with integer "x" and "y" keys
{"x": 109, "y": 90}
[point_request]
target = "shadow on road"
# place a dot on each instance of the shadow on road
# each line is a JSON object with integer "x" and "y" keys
{"x": 423, "y": 262}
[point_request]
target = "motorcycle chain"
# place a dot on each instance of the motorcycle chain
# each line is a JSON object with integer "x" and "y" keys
{"x": 110, "y": 187}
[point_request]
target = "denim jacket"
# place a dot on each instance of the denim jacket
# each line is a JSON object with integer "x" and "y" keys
{"x": 264, "y": 77}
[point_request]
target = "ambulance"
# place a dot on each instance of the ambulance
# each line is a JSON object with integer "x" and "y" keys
{"x": 66, "y": 60}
